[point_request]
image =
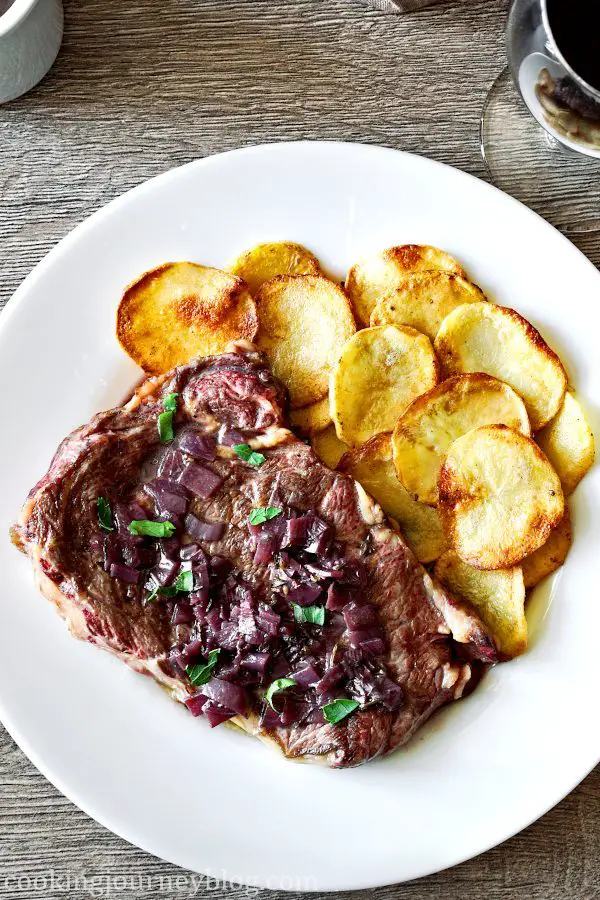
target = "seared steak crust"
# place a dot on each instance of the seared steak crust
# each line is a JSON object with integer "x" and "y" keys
{"x": 435, "y": 644}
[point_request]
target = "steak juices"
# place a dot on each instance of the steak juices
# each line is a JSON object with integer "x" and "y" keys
{"x": 192, "y": 534}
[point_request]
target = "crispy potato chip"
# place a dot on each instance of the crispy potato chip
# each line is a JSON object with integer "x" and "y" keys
{"x": 305, "y": 320}
{"x": 498, "y": 597}
{"x": 328, "y": 447}
{"x": 424, "y": 300}
{"x": 568, "y": 443}
{"x": 266, "y": 261}
{"x": 434, "y": 420}
{"x": 381, "y": 370}
{"x": 499, "y": 497}
{"x": 311, "y": 419}
{"x": 182, "y": 310}
{"x": 482, "y": 337}
{"x": 373, "y": 467}
{"x": 375, "y": 277}
{"x": 550, "y": 555}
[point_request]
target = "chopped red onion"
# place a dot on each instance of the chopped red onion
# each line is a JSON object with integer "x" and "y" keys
{"x": 97, "y": 542}
{"x": 219, "y": 567}
{"x": 358, "y": 616}
{"x": 305, "y": 594}
{"x": 169, "y": 548}
{"x": 391, "y": 693}
{"x": 296, "y": 531}
{"x": 330, "y": 679}
{"x": 268, "y": 620}
{"x": 213, "y": 618}
{"x": 227, "y": 694}
{"x": 170, "y": 498}
{"x": 200, "y": 480}
{"x": 358, "y": 638}
{"x": 266, "y": 546}
{"x": 195, "y": 704}
{"x": 269, "y": 719}
{"x": 281, "y": 668}
{"x": 190, "y": 652}
{"x": 375, "y": 646}
{"x": 171, "y": 464}
{"x": 315, "y": 717}
{"x": 354, "y": 573}
{"x": 229, "y": 437}
{"x": 204, "y": 531}
{"x": 319, "y": 538}
{"x": 190, "y": 551}
{"x": 200, "y": 446}
{"x": 305, "y": 676}
{"x": 323, "y": 569}
{"x": 227, "y": 636}
{"x": 256, "y": 662}
{"x": 216, "y": 714}
{"x": 292, "y": 712}
{"x": 337, "y": 598}
{"x": 138, "y": 557}
{"x": 165, "y": 571}
{"x": 182, "y": 614}
{"x": 124, "y": 573}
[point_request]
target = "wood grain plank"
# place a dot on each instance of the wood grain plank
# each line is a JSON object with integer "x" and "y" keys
{"x": 140, "y": 87}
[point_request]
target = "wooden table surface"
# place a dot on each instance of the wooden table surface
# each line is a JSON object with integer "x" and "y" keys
{"x": 140, "y": 87}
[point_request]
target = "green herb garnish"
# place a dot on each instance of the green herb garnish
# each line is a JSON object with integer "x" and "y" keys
{"x": 154, "y": 594}
{"x": 245, "y": 452}
{"x": 314, "y": 615}
{"x": 263, "y": 514}
{"x": 165, "y": 427}
{"x": 337, "y": 710}
{"x": 165, "y": 419}
{"x": 202, "y": 672}
{"x": 280, "y": 684}
{"x": 184, "y": 581}
{"x": 105, "y": 519}
{"x": 145, "y": 528}
{"x": 170, "y": 402}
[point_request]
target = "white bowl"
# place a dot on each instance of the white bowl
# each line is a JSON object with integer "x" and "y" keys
{"x": 30, "y": 37}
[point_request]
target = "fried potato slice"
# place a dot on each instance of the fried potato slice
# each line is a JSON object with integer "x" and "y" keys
{"x": 550, "y": 555}
{"x": 372, "y": 465}
{"x": 425, "y": 430}
{"x": 568, "y": 443}
{"x": 482, "y": 337}
{"x": 305, "y": 320}
{"x": 328, "y": 447}
{"x": 499, "y": 497}
{"x": 266, "y": 261}
{"x": 311, "y": 419}
{"x": 381, "y": 370}
{"x": 498, "y": 597}
{"x": 376, "y": 276}
{"x": 182, "y": 310}
{"x": 424, "y": 300}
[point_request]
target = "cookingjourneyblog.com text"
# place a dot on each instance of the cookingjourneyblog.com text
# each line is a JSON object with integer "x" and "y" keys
{"x": 54, "y": 883}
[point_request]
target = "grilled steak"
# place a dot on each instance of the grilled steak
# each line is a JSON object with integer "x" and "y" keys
{"x": 321, "y": 590}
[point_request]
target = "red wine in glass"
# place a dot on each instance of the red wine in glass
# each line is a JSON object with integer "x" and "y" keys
{"x": 575, "y": 27}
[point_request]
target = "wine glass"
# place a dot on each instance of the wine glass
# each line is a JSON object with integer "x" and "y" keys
{"x": 540, "y": 126}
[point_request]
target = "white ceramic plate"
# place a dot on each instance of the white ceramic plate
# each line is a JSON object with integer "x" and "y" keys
{"x": 215, "y": 801}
